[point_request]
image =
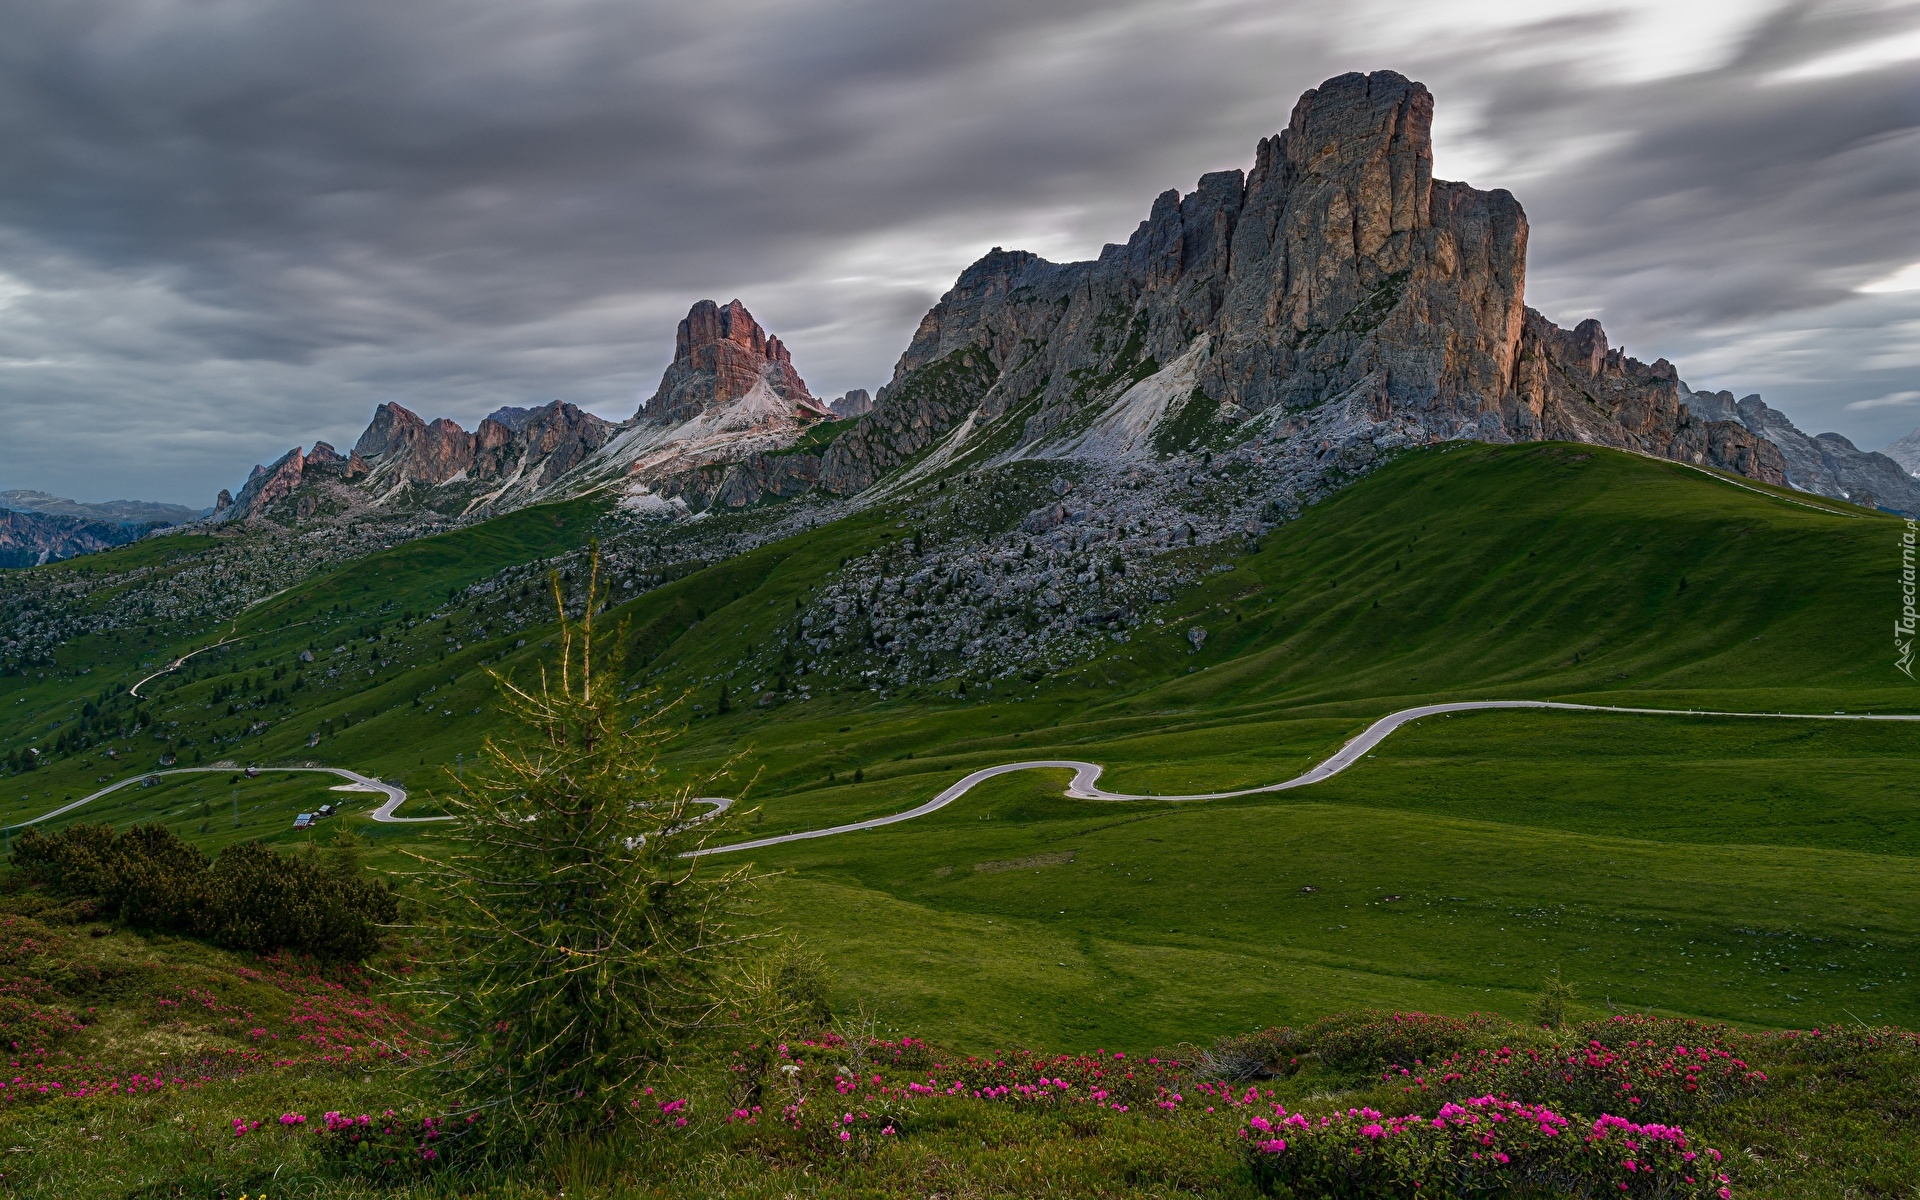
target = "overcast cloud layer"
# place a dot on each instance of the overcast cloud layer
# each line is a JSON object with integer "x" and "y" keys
{"x": 230, "y": 226}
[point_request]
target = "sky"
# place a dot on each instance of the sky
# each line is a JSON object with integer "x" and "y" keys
{"x": 228, "y": 227}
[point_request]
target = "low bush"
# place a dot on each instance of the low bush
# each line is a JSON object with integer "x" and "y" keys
{"x": 1484, "y": 1146}
{"x": 262, "y": 900}
{"x": 1650, "y": 1078}
{"x": 389, "y": 1147}
{"x": 1372, "y": 1040}
{"x": 1855, "y": 1043}
{"x": 251, "y": 898}
{"x": 1271, "y": 1052}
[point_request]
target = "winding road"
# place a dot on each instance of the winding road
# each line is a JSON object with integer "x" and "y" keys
{"x": 356, "y": 782}
{"x": 1084, "y": 786}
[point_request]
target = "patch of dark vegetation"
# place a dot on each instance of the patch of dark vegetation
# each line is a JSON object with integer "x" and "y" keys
{"x": 252, "y": 897}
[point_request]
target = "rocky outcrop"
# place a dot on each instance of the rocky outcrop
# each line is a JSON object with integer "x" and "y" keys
{"x": 727, "y": 407}
{"x": 437, "y": 462}
{"x": 551, "y": 441}
{"x": 532, "y": 449}
{"x": 1569, "y": 385}
{"x": 268, "y": 484}
{"x": 1335, "y": 295}
{"x": 856, "y": 403}
{"x": 515, "y": 419}
{"x": 1337, "y": 273}
{"x": 719, "y": 355}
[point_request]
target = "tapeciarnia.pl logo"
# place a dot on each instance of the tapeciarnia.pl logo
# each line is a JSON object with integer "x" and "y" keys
{"x": 1904, "y": 627}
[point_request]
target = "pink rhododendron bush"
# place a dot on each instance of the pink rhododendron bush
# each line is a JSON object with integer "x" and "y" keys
{"x": 1483, "y": 1146}
{"x": 1667, "y": 1070}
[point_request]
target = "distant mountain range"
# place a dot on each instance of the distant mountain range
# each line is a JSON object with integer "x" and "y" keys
{"x": 37, "y": 527}
{"x": 1336, "y": 297}
{"x": 126, "y": 512}
{"x": 1332, "y": 305}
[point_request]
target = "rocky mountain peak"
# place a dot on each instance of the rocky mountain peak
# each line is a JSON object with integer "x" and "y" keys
{"x": 510, "y": 417}
{"x": 399, "y": 450}
{"x": 856, "y": 403}
{"x": 719, "y": 355}
{"x": 391, "y": 426}
{"x": 1335, "y": 293}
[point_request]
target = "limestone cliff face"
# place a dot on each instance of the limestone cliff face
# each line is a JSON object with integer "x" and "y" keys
{"x": 1828, "y": 463}
{"x": 1337, "y": 272}
{"x": 719, "y": 354}
{"x": 1334, "y": 294}
{"x": 856, "y": 403}
{"x": 267, "y": 484}
{"x": 398, "y": 448}
{"x": 1570, "y": 386}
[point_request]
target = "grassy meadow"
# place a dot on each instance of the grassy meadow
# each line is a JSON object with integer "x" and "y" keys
{"x": 1760, "y": 872}
{"x": 1512, "y": 839}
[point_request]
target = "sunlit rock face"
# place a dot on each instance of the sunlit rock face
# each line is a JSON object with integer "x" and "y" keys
{"x": 719, "y": 355}
{"x": 1336, "y": 276}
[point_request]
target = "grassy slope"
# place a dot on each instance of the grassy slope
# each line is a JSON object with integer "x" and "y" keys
{"x": 417, "y": 575}
{"x": 1548, "y": 571}
{"x": 213, "y": 809}
{"x": 1668, "y": 862}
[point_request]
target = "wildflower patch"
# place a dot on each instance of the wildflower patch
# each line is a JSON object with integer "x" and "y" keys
{"x": 1483, "y": 1146}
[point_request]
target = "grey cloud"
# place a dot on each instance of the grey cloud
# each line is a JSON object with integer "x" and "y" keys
{"x": 234, "y": 227}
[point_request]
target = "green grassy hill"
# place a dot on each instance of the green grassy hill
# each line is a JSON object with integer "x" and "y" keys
{"x": 1763, "y": 873}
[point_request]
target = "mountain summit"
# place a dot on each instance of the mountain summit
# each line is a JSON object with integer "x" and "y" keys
{"x": 402, "y": 460}
{"x": 719, "y": 356}
{"x": 730, "y": 397}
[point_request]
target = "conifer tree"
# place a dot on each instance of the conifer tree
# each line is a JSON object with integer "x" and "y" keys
{"x": 580, "y": 942}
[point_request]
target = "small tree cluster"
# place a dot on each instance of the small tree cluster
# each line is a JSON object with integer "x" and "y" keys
{"x": 250, "y": 898}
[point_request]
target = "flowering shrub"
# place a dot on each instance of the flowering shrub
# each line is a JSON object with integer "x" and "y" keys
{"x": 1649, "y": 1079}
{"x": 816, "y": 1127}
{"x": 825, "y": 1097}
{"x": 1852, "y": 1043}
{"x": 1371, "y": 1040}
{"x": 31, "y": 1024}
{"x": 1482, "y": 1146}
{"x": 390, "y": 1146}
{"x": 62, "y": 1075}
